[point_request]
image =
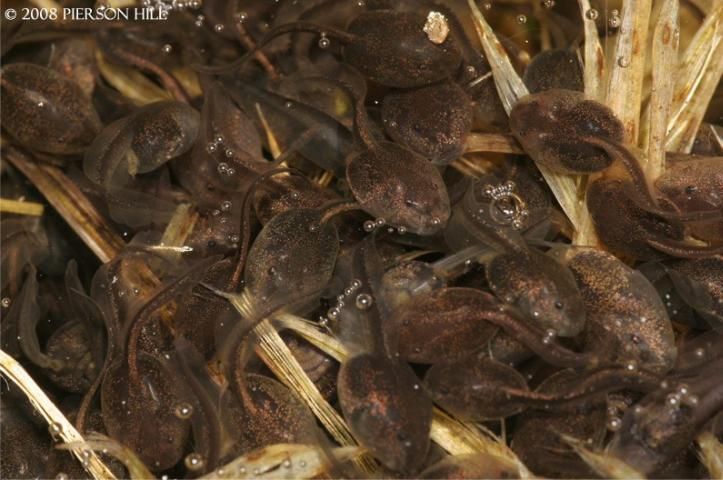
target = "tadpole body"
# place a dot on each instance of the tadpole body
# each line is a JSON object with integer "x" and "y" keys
{"x": 46, "y": 111}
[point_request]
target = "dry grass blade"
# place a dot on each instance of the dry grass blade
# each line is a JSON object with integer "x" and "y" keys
{"x": 284, "y": 461}
{"x": 511, "y": 89}
{"x": 131, "y": 83}
{"x": 604, "y": 464}
{"x": 493, "y": 143}
{"x": 711, "y": 454}
{"x": 17, "y": 207}
{"x": 665, "y": 63}
{"x": 75, "y": 208}
{"x": 178, "y": 228}
{"x": 270, "y": 137}
{"x": 277, "y": 356}
{"x": 697, "y": 77}
{"x": 100, "y": 443}
{"x": 59, "y": 425}
{"x": 594, "y": 57}
{"x": 625, "y": 87}
{"x": 459, "y": 438}
{"x": 509, "y": 84}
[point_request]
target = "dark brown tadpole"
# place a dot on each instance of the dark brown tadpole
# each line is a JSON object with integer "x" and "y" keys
{"x": 386, "y": 410}
{"x": 393, "y": 183}
{"x": 46, "y": 111}
{"x": 551, "y": 124}
{"x": 627, "y": 322}
{"x": 475, "y": 389}
{"x": 389, "y": 47}
{"x": 434, "y": 120}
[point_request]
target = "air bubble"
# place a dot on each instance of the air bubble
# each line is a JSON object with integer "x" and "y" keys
{"x": 548, "y": 3}
{"x": 241, "y": 17}
{"x": 364, "y": 301}
{"x": 218, "y": 28}
{"x": 369, "y": 225}
{"x": 55, "y": 430}
{"x": 592, "y": 14}
{"x": 184, "y": 411}
{"x": 211, "y": 147}
{"x": 614, "y": 20}
{"x": 521, "y": 19}
{"x": 614, "y": 424}
{"x": 5, "y": 302}
{"x": 623, "y": 62}
{"x": 194, "y": 461}
{"x": 324, "y": 42}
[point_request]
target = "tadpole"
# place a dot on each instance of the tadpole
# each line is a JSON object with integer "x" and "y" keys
{"x": 46, "y": 111}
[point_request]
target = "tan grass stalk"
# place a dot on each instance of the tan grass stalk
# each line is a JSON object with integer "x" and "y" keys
{"x": 625, "y": 87}
{"x": 58, "y": 425}
{"x": 594, "y": 57}
{"x": 18, "y": 207}
{"x": 697, "y": 76}
{"x": 665, "y": 63}
{"x": 70, "y": 202}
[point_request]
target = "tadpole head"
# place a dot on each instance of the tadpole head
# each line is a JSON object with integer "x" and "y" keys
{"x": 542, "y": 288}
{"x": 391, "y": 48}
{"x": 551, "y": 125}
{"x": 399, "y": 186}
{"x": 434, "y": 121}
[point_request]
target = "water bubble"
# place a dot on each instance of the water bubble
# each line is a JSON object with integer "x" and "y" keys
{"x": 324, "y": 42}
{"x": 5, "y": 302}
{"x": 614, "y": 424}
{"x": 218, "y": 28}
{"x": 167, "y": 48}
{"x": 548, "y": 3}
{"x": 364, "y": 301}
{"x": 487, "y": 6}
{"x": 436, "y": 221}
{"x": 222, "y": 168}
{"x": 683, "y": 389}
{"x": 550, "y": 335}
{"x": 184, "y": 411}
{"x": 521, "y": 19}
{"x": 199, "y": 20}
{"x": 55, "y": 430}
{"x": 333, "y": 313}
{"x": 226, "y": 205}
{"x": 289, "y": 104}
{"x": 380, "y": 222}
{"x": 194, "y": 461}
{"x": 673, "y": 399}
{"x": 592, "y": 14}
{"x": 631, "y": 366}
{"x": 241, "y": 17}
{"x": 623, "y": 62}
{"x": 355, "y": 284}
{"x": 211, "y": 147}
{"x": 286, "y": 463}
{"x": 369, "y": 225}
{"x": 614, "y": 21}
{"x": 228, "y": 153}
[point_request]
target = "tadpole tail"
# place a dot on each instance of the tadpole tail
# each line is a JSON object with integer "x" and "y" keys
{"x": 599, "y": 383}
{"x": 275, "y": 32}
{"x": 679, "y": 249}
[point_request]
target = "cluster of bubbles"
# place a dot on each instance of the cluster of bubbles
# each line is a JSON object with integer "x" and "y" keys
{"x": 362, "y": 301}
{"x": 506, "y": 207}
{"x": 681, "y": 396}
{"x": 549, "y": 337}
